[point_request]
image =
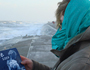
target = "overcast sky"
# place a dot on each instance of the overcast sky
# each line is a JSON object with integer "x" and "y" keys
{"x": 28, "y": 10}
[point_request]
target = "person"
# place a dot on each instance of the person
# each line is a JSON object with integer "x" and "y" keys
{"x": 72, "y": 43}
{"x": 12, "y": 63}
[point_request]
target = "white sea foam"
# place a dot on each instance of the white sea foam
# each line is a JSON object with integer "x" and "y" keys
{"x": 11, "y": 30}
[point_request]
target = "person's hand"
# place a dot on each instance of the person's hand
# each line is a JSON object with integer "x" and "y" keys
{"x": 27, "y": 63}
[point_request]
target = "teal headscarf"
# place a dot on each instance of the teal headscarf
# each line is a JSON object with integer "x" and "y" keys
{"x": 76, "y": 20}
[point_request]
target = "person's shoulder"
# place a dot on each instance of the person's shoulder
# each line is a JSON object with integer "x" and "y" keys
{"x": 77, "y": 61}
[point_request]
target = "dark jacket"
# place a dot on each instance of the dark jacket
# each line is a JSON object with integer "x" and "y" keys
{"x": 75, "y": 56}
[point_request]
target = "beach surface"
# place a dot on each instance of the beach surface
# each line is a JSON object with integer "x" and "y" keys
{"x": 35, "y": 47}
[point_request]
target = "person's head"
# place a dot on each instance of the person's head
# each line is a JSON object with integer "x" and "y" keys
{"x": 60, "y": 12}
{"x": 76, "y": 21}
{"x": 12, "y": 54}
